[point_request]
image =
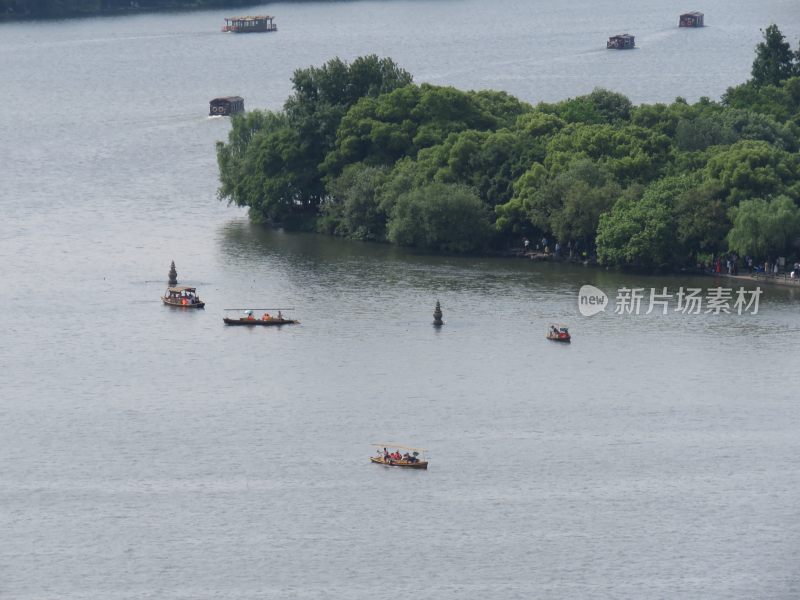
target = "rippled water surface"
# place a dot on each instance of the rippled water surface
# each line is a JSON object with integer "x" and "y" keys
{"x": 152, "y": 453}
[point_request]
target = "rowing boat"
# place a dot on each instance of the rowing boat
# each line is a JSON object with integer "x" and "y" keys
{"x": 409, "y": 460}
{"x": 259, "y": 322}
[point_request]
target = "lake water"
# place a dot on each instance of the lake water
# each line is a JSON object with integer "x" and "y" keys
{"x": 152, "y": 453}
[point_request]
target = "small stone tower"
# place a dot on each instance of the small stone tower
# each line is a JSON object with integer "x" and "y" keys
{"x": 437, "y": 315}
{"x": 173, "y": 274}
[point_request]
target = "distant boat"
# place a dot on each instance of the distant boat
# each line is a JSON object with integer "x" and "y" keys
{"x": 413, "y": 458}
{"x": 183, "y": 297}
{"x": 623, "y": 41}
{"x": 259, "y": 24}
{"x": 226, "y": 106}
{"x": 559, "y": 333}
{"x": 250, "y": 320}
{"x": 691, "y": 19}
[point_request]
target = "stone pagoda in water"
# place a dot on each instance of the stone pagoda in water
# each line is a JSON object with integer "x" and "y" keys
{"x": 437, "y": 315}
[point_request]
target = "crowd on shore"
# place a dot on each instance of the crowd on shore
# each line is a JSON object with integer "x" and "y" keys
{"x": 722, "y": 264}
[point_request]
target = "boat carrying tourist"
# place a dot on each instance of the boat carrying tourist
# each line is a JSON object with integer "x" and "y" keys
{"x": 558, "y": 333}
{"x": 258, "y": 24}
{"x": 400, "y": 456}
{"x": 183, "y": 297}
{"x": 249, "y": 317}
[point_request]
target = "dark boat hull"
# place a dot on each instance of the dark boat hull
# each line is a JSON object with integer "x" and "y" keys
{"x": 423, "y": 464}
{"x": 259, "y": 322}
{"x": 559, "y": 339}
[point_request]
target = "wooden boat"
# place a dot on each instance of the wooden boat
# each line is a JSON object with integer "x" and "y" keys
{"x": 559, "y": 333}
{"x": 183, "y": 297}
{"x": 412, "y": 462}
{"x": 378, "y": 460}
{"x": 249, "y": 319}
{"x": 259, "y": 322}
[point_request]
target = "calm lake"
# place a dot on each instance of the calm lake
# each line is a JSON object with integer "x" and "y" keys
{"x": 147, "y": 452}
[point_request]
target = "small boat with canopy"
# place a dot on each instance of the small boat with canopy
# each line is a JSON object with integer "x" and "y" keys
{"x": 248, "y": 317}
{"x": 182, "y": 296}
{"x": 400, "y": 456}
{"x": 559, "y": 333}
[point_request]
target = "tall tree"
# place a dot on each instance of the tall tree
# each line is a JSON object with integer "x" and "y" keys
{"x": 762, "y": 227}
{"x": 774, "y": 58}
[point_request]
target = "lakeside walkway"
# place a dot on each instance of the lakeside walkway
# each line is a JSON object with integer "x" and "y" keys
{"x": 782, "y": 279}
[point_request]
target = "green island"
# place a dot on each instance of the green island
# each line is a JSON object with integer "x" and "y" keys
{"x": 361, "y": 151}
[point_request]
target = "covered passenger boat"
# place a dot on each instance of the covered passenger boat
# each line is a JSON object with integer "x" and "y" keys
{"x": 623, "y": 41}
{"x": 691, "y": 19}
{"x": 248, "y": 318}
{"x": 226, "y": 106}
{"x": 257, "y": 24}
{"x": 400, "y": 456}
{"x": 559, "y": 333}
{"x": 183, "y": 297}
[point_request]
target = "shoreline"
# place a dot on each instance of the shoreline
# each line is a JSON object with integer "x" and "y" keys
{"x": 782, "y": 280}
{"x": 124, "y": 11}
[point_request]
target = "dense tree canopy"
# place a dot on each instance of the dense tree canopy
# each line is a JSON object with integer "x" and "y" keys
{"x": 440, "y": 216}
{"x": 271, "y": 161}
{"x": 761, "y": 226}
{"x": 360, "y": 151}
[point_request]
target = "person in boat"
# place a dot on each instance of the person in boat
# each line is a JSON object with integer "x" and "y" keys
{"x": 386, "y": 455}
{"x": 250, "y": 317}
{"x": 265, "y": 317}
{"x": 280, "y": 316}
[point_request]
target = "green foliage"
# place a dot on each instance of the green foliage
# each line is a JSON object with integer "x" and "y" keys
{"x": 440, "y": 217}
{"x": 701, "y": 219}
{"x": 781, "y": 102}
{"x": 764, "y": 228}
{"x": 637, "y": 233}
{"x": 629, "y": 152}
{"x": 570, "y": 203}
{"x": 774, "y": 60}
{"x": 322, "y": 95}
{"x": 379, "y": 131}
{"x": 599, "y": 107}
{"x": 263, "y": 166}
{"x": 752, "y": 169}
{"x": 271, "y": 160}
{"x": 353, "y": 208}
{"x": 489, "y": 161}
{"x": 371, "y": 156}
